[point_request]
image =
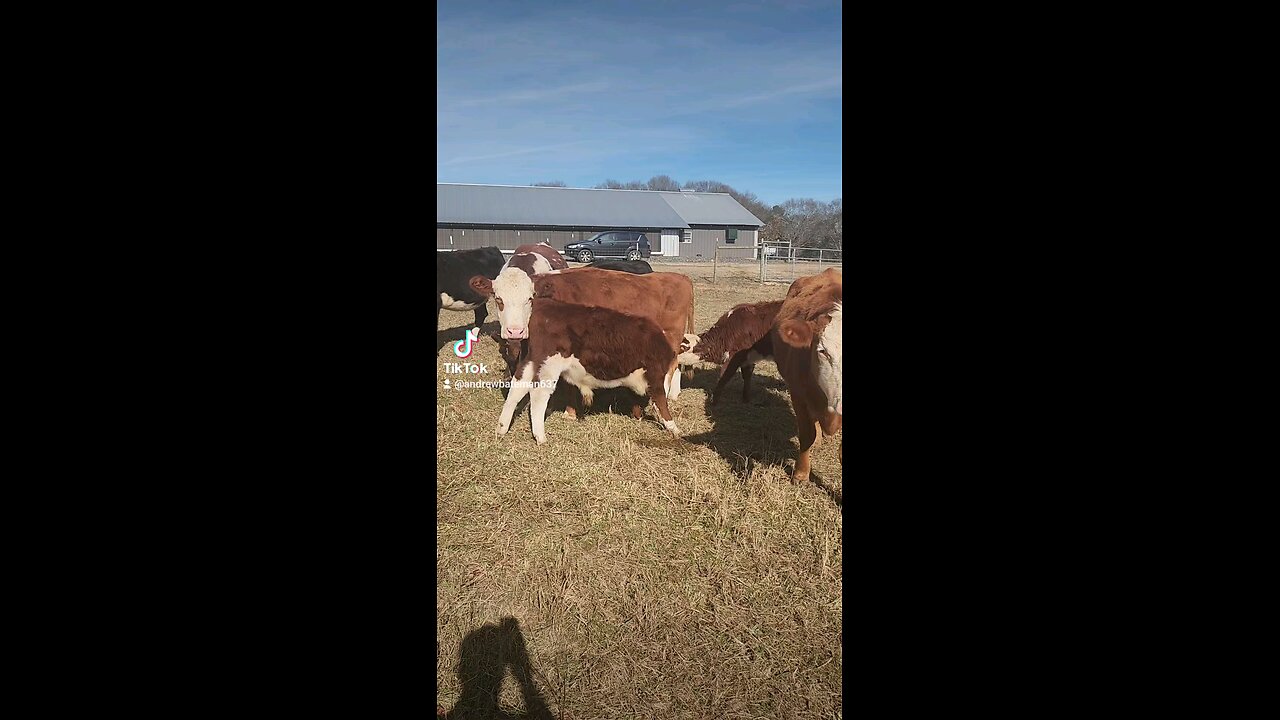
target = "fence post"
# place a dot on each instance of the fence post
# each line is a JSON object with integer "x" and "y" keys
{"x": 715, "y": 260}
{"x": 761, "y": 251}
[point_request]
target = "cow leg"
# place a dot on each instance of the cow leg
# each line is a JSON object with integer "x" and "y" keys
{"x": 746, "y": 381}
{"x": 726, "y": 373}
{"x": 538, "y": 399}
{"x": 482, "y": 312}
{"x": 587, "y": 396}
{"x": 514, "y": 396}
{"x": 807, "y": 432}
{"x": 660, "y": 401}
{"x": 675, "y": 383}
{"x": 657, "y": 393}
{"x": 830, "y": 423}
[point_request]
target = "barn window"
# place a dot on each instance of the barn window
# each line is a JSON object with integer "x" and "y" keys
{"x": 450, "y": 239}
{"x": 731, "y": 236}
{"x": 686, "y": 236}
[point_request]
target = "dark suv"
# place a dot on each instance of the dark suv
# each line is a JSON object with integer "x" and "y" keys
{"x": 615, "y": 243}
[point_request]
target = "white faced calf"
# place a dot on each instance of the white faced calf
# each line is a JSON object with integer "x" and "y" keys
{"x": 589, "y": 347}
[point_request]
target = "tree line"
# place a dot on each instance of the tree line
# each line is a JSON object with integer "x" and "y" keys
{"x": 804, "y": 222}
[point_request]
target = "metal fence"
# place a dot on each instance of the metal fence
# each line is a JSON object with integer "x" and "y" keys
{"x": 782, "y": 262}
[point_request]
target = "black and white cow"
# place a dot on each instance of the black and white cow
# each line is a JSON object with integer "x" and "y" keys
{"x": 454, "y": 271}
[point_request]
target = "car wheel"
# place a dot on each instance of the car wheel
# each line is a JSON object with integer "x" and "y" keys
{"x": 633, "y": 255}
{"x": 584, "y": 256}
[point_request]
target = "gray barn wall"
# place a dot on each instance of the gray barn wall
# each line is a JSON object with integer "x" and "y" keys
{"x": 510, "y": 238}
{"x": 705, "y": 241}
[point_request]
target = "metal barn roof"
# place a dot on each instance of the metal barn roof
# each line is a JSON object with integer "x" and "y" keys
{"x": 580, "y": 207}
{"x": 698, "y": 208}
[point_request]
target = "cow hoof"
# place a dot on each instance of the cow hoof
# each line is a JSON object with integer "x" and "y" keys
{"x": 570, "y": 413}
{"x": 500, "y": 431}
{"x": 542, "y": 439}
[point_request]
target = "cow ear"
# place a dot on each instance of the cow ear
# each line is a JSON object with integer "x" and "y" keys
{"x": 796, "y": 333}
{"x": 482, "y": 285}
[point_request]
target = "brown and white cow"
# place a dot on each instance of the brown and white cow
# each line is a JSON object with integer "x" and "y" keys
{"x": 589, "y": 347}
{"x": 511, "y": 350}
{"x": 808, "y": 349}
{"x": 739, "y": 339}
{"x": 536, "y": 259}
{"x": 664, "y": 298}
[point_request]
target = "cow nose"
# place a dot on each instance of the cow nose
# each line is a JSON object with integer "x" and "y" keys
{"x": 513, "y": 333}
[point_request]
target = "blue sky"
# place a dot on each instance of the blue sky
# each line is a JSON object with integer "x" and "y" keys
{"x": 747, "y": 93}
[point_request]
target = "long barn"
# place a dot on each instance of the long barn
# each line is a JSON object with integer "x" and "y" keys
{"x": 678, "y": 224}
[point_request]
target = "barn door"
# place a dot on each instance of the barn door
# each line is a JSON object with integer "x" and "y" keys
{"x": 671, "y": 243}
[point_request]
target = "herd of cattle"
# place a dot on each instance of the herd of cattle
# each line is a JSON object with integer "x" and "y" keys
{"x": 617, "y": 323}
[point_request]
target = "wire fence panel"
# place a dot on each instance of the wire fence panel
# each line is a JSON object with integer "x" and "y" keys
{"x": 782, "y": 262}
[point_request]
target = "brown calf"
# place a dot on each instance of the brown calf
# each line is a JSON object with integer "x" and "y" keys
{"x": 808, "y": 348}
{"x": 511, "y": 350}
{"x": 739, "y": 339}
{"x": 664, "y": 298}
{"x": 590, "y": 347}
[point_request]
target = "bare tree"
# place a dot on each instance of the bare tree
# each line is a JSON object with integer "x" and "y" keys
{"x": 663, "y": 182}
{"x": 809, "y": 223}
{"x": 550, "y": 183}
{"x": 609, "y": 185}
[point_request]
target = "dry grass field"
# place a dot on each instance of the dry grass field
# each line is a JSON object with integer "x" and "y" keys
{"x": 616, "y": 572}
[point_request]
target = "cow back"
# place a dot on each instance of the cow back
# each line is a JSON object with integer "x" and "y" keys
{"x": 454, "y": 271}
{"x": 610, "y": 344}
{"x": 664, "y": 298}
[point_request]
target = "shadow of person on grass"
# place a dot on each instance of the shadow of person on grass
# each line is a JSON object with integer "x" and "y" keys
{"x": 484, "y": 657}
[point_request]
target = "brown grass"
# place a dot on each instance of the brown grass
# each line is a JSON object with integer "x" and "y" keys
{"x": 648, "y": 577}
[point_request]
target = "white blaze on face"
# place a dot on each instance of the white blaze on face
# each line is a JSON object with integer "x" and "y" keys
{"x": 831, "y": 361}
{"x": 513, "y": 294}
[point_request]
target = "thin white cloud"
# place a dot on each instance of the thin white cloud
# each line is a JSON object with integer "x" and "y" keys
{"x": 510, "y": 153}
{"x": 782, "y": 92}
{"x": 533, "y": 95}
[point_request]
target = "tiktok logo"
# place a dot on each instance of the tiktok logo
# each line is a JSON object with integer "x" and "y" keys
{"x": 462, "y": 348}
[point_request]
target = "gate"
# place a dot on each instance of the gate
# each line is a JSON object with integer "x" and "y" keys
{"x": 781, "y": 262}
